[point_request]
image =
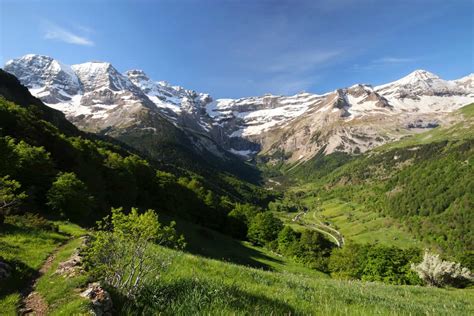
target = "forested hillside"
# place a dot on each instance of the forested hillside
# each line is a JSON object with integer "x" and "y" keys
{"x": 40, "y": 149}
{"x": 424, "y": 182}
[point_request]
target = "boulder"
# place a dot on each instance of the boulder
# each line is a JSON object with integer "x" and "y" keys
{"x": 100, "y": 298}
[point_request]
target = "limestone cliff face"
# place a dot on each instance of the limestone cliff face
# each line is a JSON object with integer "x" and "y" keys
{"x": 98, "y": 98}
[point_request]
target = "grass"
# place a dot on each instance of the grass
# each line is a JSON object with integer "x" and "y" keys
{"x": 25, "y": 249}
{"x": 353, "y": 222}
{"x": 211, "y": 244}
{"x": 195, "y": 285}
{"x": 360, "y": 226}
{"x": 59, "y": 292}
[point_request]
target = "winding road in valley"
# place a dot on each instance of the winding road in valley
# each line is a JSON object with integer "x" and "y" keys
{"x": 321, "y": 227}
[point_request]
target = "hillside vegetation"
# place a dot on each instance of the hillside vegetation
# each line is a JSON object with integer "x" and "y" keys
{"x": 422, "y": 184}
{"x": 172, "y": 241}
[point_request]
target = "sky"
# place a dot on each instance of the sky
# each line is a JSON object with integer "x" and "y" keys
{"x": 234, "y": 49}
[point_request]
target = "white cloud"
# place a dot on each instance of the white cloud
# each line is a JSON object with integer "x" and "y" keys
{"x": 384, "y": 63}
{"x": 393, "y": 60}
{"x": 301, "y": 61}
{"x": 55, "y": 32}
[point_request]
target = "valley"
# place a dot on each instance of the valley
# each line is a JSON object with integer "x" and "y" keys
{"x": 242, "y": 223}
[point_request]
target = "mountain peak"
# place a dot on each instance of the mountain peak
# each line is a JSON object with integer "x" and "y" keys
{"x": 419, "y": 75}
{"x": 31, "y": 57}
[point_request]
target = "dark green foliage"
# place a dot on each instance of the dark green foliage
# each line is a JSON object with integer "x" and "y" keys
{"x": 10, "y": 196}
{"x": 309, "y": 247}
{"x": 69, "y": 197}
{"x": 314, "y": 250}
{"x": 240, "y": 218}
{"x": 429, "y": 188}
{"x": 375, "y": 263}
{"x": 264, "y": 228}
{"x": 288, "y": 240}
{"x": 320, "y": 165}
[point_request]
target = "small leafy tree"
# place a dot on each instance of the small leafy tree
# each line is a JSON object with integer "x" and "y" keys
{"x": 288, "y": 240}
{"x": 437, "y": 272}
{"x": 264, "y": 228}
{"x": 9, "y": 196}
{"x": 70, "y": 197}
{"x": 120, "y": 253}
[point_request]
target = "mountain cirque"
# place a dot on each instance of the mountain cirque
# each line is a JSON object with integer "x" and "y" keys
{"x": 98, "y": 98}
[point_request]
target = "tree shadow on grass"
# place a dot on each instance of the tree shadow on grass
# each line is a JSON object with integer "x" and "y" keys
{"x": 208, "y": 243}
{"x": 191, "y": 297}
{"x": 20, "y": 279}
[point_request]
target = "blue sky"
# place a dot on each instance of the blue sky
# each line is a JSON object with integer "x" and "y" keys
{"x": 249, "y": 47}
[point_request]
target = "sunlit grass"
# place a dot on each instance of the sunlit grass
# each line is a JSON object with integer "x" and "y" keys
{"x": 195, "y": 285}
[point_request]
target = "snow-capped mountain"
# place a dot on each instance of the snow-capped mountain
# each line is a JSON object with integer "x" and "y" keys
{"x": 424, "y": 91}
{"x": 96, "y": 97}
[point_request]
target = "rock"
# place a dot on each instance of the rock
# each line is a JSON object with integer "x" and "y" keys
{"x": 70, "y": 267}
{"x": 100, "y": 298}
{"x": 5, "y": 269}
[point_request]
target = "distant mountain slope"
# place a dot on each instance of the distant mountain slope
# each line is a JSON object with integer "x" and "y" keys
{"x": 97, "y": 98}
{"x": 145, "y": 113}
{"x": 425, "y": 181}
{"x": 37, "y": 143}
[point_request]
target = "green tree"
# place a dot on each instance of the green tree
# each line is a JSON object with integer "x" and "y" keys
{"x": 264, "y": 228}
{"x": 348, "y": 262}
{"x": 69, "y": 197}
{"x": 288, "y": 240}
{"x": 10, "y": 196}
{"x": 314, "y": 249}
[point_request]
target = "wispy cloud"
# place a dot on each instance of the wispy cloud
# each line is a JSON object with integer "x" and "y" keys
{"x": 55, "y": 32}
{"x": 384, "y": 62}
{"x": 393, "y": 60}
{"x": 301, "y": 61}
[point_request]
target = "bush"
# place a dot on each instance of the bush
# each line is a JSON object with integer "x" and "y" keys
{"x": 437, "y": 272}
{"x": 120, "y": 253}
{"x": 314, "y": 250}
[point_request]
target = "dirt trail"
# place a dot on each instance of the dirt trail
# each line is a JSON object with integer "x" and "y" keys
{"x": 32, "y": 302}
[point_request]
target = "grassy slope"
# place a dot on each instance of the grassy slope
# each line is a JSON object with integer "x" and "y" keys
{"x": 353, "y": 220}
{"x": 211, "y": 244}
{"x": 193, "y": 284}
{"x": 26, "y": 249}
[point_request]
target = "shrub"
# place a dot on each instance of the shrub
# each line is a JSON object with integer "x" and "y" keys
{"x": 120, "y": 253}
{"x": 437, "y": 272}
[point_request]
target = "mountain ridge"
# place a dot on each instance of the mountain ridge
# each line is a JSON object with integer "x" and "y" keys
{"x": 270, "y": 127}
